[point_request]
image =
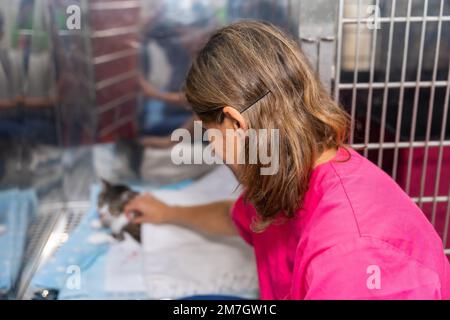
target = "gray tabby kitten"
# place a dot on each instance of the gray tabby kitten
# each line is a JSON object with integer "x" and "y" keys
{"x": 111, "y": 203}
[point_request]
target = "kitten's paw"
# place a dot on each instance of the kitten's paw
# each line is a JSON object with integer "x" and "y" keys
{"x": 119, "y": 236}
{"x": 100, "y": 238}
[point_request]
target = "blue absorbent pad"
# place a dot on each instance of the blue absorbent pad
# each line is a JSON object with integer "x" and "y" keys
{"x": 17, "y": 209}
{"x": 89, "y": 258}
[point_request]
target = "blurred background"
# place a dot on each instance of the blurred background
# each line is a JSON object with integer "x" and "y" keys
{"x": 100, "y": 99}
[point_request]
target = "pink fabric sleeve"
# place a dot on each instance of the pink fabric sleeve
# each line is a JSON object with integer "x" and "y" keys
{"x": 368, "y": 268}
{"x": 240, "y": 214}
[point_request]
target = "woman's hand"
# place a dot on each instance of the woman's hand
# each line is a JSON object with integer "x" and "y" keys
{"x": 147, "y": 209}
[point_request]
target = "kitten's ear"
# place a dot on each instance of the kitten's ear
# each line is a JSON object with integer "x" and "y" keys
{"x": 105, "y": 184}
{"x": 126, "y": 195}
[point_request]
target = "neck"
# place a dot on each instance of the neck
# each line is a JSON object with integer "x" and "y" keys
{"x": 325, "y": 156}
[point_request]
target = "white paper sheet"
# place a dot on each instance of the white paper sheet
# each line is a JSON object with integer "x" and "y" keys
{"x": 124, "y": 267}
{"x": 179, "y": 262}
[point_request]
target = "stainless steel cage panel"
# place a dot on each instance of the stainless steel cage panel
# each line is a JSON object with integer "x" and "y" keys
{"x": 317, "y": 32}
{"x": 392, "y": 73}
{"x": 51, "y": 228}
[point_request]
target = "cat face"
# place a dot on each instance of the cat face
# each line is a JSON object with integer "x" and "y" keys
{"x": 112, "y": 201}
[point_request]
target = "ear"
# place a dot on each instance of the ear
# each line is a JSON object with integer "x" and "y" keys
{"x": 105, "y": 184}
{"x": 235, "y": 118}
{"x": 126, "y": 195}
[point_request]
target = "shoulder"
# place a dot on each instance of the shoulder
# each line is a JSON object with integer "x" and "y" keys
{"x": 242, "y": 214}
{"x": 357, "y": 197}
{"x": 362, "y": 213}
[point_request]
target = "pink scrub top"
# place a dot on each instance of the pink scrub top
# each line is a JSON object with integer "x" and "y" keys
{"x": 358, "y": 236}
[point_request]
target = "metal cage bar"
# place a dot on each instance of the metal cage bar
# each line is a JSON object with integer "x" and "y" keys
{"x": 371, "y": 85}
{"x": 431, "y": 104}
{"x": 355, "y": 72}
{"x": 402, "y": 89}
{"x": 406, "y": 136}
{"x": 441, "y": 147}
{"x": 416, "y": 97}
{"x": 386, "y": 81}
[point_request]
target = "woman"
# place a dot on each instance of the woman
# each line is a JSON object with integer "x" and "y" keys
{"x": 328, "y": 224}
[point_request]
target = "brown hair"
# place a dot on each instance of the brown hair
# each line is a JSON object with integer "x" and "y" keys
{"x": 238, "y": 66}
